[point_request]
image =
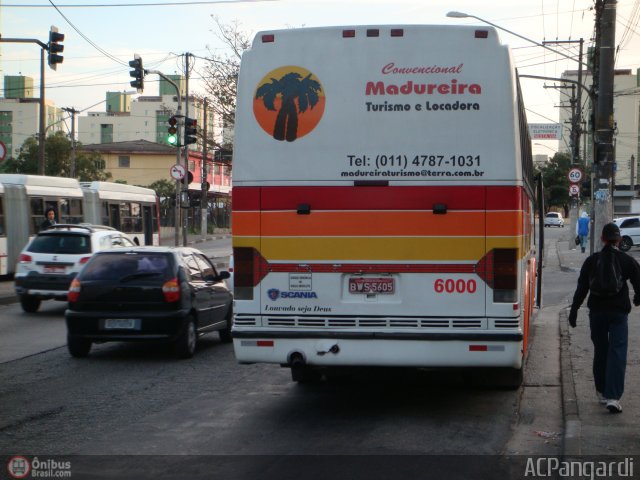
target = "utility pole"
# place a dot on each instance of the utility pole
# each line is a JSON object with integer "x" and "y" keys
{"x": 204, "y": 203}
{"x": 186, "y": 149}
{"x": 72, "y": 166}
{"x": 604, "y": 155}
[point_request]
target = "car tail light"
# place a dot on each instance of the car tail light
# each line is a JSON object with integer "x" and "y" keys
{"x": 84, "y": 260}
{"x": 24, "y": 258}
{"x": 171, "y": 290}
{"x": 74, "y": 291}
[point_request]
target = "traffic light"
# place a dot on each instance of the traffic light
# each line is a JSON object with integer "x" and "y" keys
{"x": 190, "y": 130}
{"x": 54, "y": 47}
{"x": 137, "y": 73}
{"x": 172, "y": 136}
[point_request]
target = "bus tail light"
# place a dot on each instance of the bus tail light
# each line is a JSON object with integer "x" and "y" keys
{"x": 505, "y": 275}
{"x": 250, "y": 268}
{"x": 499, "y": 270}
{"x": 171, "y": 290}
{"x": 74, "y": 291}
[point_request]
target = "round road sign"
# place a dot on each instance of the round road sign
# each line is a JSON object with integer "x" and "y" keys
{"x": 177, "y": 172}
{"x": 574, "y": 190}
{"x": 575, "y": 175}
{"x": 3, "y": 151}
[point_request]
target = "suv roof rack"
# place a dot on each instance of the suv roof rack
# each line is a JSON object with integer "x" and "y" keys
{"x": 85, "y": 226}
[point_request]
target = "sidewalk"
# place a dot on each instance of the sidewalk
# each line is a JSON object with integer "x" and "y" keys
{"x": 589, "y": 428}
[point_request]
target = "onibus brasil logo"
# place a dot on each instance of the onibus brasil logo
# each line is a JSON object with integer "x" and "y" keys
{"x": 288, "y": 103}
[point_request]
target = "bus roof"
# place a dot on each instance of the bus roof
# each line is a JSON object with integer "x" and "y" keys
{"x": 43, "y": 185}
{"x": 118, "y": 191}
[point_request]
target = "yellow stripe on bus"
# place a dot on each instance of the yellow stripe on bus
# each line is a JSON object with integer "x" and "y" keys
{"x": 377, "y": 248}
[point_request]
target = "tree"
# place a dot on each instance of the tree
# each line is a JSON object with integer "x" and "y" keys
{"x": 556, "y": 182}
{"x": 220, "y": 74}
{"x": 166, "y": 191}
{"x": 57, "y": 160}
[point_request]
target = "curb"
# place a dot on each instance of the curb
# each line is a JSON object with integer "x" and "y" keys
{"x": 572, "y": 425}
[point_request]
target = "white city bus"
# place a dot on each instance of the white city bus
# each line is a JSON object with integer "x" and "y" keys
{"x": 131, "y": 209}
{"x": 382, "y": 201}
{"x": 24, "y": 199}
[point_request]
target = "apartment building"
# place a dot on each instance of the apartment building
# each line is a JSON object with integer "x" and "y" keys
{"x": 20, "y": 114}
{"x": 143, "y": 118}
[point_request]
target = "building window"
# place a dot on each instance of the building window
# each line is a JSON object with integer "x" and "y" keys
{"x": 100, "y": 164}
{"x": 106, "y": 133}
{"x": 124, "y": 161}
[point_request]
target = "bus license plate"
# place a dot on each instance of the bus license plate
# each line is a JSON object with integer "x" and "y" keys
{"x": 372, "y": 285}
{"x": 121, "y": 324}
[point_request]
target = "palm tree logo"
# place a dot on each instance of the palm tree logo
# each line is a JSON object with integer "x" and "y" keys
{"x": 288, "y": 103}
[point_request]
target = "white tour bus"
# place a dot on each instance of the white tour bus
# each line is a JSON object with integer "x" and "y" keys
{"x": 383, "y": 198}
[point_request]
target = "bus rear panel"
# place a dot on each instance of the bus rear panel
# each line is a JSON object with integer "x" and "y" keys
{"x": 382, "y": 200}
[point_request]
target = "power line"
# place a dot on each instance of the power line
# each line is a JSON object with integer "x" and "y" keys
{"x": 153, "y": 4}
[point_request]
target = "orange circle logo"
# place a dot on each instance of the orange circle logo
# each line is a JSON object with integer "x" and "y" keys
{"x": 288, "y": 103}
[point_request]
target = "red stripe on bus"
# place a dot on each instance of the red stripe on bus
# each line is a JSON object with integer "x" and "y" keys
{"x": 377, "y": 198}
{"x": 371, "y": 268}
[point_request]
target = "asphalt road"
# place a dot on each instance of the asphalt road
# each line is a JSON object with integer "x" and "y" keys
{"x": 137, "y": 399}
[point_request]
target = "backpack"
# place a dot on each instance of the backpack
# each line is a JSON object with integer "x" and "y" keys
{"x": 606, "y": 277}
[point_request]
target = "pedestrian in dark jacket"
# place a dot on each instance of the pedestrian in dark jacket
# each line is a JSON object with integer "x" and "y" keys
{"x": 608, "y": 315}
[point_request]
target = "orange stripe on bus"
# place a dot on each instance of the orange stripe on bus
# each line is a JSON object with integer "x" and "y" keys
{"x": 385, "y": 223}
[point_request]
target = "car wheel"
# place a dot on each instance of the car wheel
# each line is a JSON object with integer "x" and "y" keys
{"x": 225, "y": 333}
{"x": 78, "y": 347}
{"x": 185, "y": 346}
{"x": 30, "y": 304}
{"x": 625, "y": 244}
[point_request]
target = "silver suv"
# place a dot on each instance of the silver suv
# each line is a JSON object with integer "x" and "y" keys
{"x": 53, "y": 258}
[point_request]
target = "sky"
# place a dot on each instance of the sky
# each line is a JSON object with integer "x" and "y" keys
{"x": 101, "y": 37}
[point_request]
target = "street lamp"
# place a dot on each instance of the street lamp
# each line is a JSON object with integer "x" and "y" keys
{"x": 546, "y": 146}
{"x": 466, "y": 15}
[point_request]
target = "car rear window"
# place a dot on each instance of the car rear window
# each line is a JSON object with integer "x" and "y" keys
{"x": 61, "y": 244}
{"x": 118, "y": 266}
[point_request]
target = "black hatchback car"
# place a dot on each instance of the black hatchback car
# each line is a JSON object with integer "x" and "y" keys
{"x": 148, "y": 293}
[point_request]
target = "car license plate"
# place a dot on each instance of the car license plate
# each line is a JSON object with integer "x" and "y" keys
{"x": 122, "y": 324}
{"x": 372, "y": 285}
{"x": 53, "y": 269}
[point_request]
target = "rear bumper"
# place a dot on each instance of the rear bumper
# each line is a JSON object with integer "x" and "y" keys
{"x": 44, "y": 286}
{"x": 153, "y": 325}
{"x": 405, "y": 349}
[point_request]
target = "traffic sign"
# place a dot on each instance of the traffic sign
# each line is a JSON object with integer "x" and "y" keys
{"x": 3, "y": 151}
{"x": 575, "y": 175}
{"x": 177, "y": 172}
{"x": 574, "y": 189}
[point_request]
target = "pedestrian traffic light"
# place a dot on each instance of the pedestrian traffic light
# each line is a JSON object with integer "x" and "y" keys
{"x": 172, "y": 136}
{"x": 190, "y": 130}
{"x": 137, "y": 73}
{"x": 54, "y": 47}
